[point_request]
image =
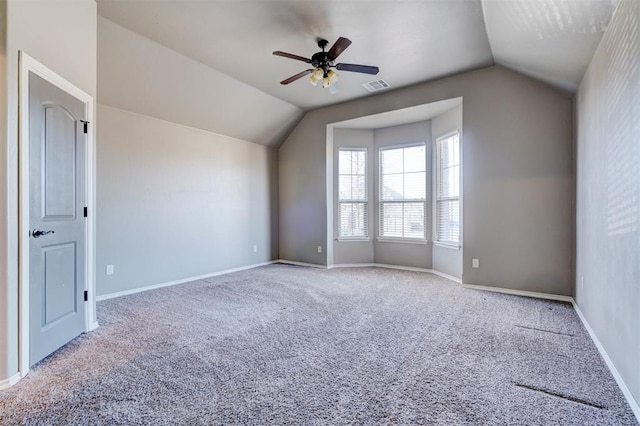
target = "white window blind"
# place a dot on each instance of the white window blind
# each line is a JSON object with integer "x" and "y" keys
{"x": 448, "y": 189}
{"x": 403, "y": 192}
{"x": 352, "y": 194}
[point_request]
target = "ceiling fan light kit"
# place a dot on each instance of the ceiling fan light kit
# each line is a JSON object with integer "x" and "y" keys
{"x": 322, "y": 63}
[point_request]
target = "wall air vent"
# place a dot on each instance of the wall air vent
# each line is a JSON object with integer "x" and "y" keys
{"x": 375, "y": 85}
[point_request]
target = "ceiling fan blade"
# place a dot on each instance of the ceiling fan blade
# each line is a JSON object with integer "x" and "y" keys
{"x": 292, "y": 56}
{"x": 365, "y": 69}
{"x": 338, "y": 47}
{"x": 297, "y": 76}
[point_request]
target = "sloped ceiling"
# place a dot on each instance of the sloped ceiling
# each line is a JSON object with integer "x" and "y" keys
{"x": 550, "y": 40}
{"x": 412, "y": 41}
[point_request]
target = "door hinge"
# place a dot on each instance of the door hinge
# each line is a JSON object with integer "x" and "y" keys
{"x": 86, "y": 211}
{"x": 85, "y": 126}
{"x": 86, "y": 295}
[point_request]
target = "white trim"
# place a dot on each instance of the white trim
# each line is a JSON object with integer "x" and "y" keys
{"x": 352, "y": 265}
{"x": 524, "y": 293}
{"x": 446, "y": 245}
{"x": 28, "y": 64}
{"x": 7, "y": 383}
{"x": 635, "y": 407}
{"x": 402, "y": 145}
{"x": 353, "y": 240}
{"x": 449, "y": 133}
{"x": 180, "y": 281}
{"x": 447, "y": 276}
{"x": 404, "y": 268}
{"x": 402, "y": 240}
{"x": 293, "y": 262}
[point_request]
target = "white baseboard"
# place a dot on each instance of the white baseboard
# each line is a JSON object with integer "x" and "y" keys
{"x": 402, "y": 268}
{"x": 447, "y": 276}
{"x": 293, "y": 262}
{"x": 180, "y": 281}
{"x": 635, "y": 407}
{"x": 7, "y": 383}
{"x": 524, "y": 293}
{"x": 352, "y": 265}
{"x": 377, "y": 265}
{"x": 93, "y": 326}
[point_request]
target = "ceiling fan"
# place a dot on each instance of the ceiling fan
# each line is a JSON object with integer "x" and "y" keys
{"x": 322, "y": 62}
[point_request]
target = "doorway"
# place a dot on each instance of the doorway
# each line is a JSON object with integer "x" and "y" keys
{"x": 57, "y": 205}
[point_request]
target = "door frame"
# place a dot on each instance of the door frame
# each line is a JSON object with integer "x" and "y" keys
{"x": 28, "y": 64}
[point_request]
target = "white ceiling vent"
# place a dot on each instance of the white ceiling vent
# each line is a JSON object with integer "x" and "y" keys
{"x": 375, "y": 85}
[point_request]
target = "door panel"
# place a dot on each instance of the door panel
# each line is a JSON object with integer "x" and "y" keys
{"x": 59, "y": 163}
{"x": 57, "y": 199}
{"x": 60, "y": 292}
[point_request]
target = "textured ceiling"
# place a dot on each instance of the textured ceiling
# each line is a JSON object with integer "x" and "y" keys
{"x": 550, "y": 40}
{"x": 410, "y": 40}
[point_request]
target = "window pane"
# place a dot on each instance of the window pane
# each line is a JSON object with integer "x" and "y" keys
{"x": 344, "y": 166}
{"x": 449, "y": 167}
{"x": 353, "y": 219}
{"x": 392, "y": 187}
{"x": 344, "y": 187}
{"x": 352, "y": 175}
{"x": 391, "y": 161}
{"x": 358, "y": 191}
{"x": 391, "y": 220}
{"x": 415, "y": 186}
{"x": 403, "y": 179}
{"x": 414, "y": 159}
{"x": 448, "y": 218}
{"x": 352, "y": 186}
{"x": 414, "y": 220}
{"x": 449, "y": 182}
{"x": 359, "y": 162}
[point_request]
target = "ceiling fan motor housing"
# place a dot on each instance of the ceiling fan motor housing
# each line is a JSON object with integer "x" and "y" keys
{"x": 321, "y": 60}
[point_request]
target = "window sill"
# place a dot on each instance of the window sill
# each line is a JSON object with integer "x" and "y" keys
{"x": 353, "y": 240}
{"x": 446, "y": 245}
{"x": 402, "y": 240}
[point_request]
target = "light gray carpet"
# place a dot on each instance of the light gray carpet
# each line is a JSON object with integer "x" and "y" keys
{"x": 291, "y": 345}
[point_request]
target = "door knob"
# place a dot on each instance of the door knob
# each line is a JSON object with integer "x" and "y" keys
{"x": 36, "y": 233}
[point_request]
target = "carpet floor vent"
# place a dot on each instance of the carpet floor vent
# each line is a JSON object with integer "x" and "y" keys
{"x": 559, "y": 395}
{"x": 546, "y": 331}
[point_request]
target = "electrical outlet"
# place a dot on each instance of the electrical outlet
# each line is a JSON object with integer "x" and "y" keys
{"x": 319, "y": 249}
{"x": 475, "y": 263}
{"x": 108, "y": 270}
{"x": 581, "y": 283}
{"x": 255, "y": 248}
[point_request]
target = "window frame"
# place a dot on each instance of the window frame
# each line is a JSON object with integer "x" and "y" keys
{"x": 379, "y": 201}
{"x": 438, "y": 199}
{"x": 366, "y": 237}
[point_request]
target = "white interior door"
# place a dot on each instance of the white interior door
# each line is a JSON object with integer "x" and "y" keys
{"x": 57, "y": 217}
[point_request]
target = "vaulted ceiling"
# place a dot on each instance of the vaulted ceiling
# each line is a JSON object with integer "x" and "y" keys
{"x": 412, "y": 41}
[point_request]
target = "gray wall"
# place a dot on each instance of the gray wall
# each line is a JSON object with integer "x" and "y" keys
{"x": 447, "y": 260}
{"x": 517, "y": 177}
{"x": 416, "y": 255}
{"x": 608, "y": 194}
{"x": 176, "y": 202}
{"x": 62, "y": 36}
